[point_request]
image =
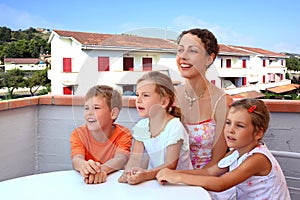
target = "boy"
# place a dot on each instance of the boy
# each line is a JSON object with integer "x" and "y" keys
{"x": 100, "y": 146}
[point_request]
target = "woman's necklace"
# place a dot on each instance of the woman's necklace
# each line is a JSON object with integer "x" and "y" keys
{"x": 190, "y": 99}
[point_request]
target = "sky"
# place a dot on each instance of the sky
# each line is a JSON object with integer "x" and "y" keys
{"x": 268, "y": 24}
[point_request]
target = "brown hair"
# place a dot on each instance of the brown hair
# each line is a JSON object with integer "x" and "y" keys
{"x": 209, "y": 40}
{"x": 113, "y": 97}
{"x": 165, "y": 88}
{"x": 260, "y": 115}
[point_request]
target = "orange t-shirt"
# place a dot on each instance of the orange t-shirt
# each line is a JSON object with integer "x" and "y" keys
{"x": 82, "y": 142}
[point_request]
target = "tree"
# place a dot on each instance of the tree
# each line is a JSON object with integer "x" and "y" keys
{"x": 293, "y": 63}
{"x": 12, "y": 79}
{"x": 5, "y": 34}
{"x": 23, "y": 44}
{"x": 39, "y": 78}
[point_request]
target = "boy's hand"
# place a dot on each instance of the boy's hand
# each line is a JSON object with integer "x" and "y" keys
{"x": 90, "y": 167}
{"x": 99, "y": 177}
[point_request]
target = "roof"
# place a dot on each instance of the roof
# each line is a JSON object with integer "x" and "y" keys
{"x": 133, "y": 41}
{"x": 283, "y": 88}
{"x": 260, "y": 51}
{"x": 229, "y": 50}
{"x": 249, "y": 94}
{"x": 22, "y": 60}
{"x": 122, "y": 40}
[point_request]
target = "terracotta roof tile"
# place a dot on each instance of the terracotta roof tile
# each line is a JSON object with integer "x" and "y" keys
{"x": 284, "y": 88}
{"x": 85, "y": 38}
{"x": 226, "y": 49}
{"x": 133, "y": 41}
{"x": 22, "y": 60}
{"x": 117, "y": 40}
{"x": 261, "y": 51}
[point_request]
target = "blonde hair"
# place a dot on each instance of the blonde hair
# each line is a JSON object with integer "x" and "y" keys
{"x": 112, "y": 97}
{"x": 165, "y": 88}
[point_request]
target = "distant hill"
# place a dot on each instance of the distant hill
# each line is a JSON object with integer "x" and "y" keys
{"x": 8, "y": 35}
{"x": 29, "y": 43}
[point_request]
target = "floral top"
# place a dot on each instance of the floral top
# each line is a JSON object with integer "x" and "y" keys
{"x": 271, "y": 186}
{"x": 201, "y": 142}
{"x": 156, "y": 147}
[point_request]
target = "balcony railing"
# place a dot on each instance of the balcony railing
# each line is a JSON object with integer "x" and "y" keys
{"x": 35, "y": 131}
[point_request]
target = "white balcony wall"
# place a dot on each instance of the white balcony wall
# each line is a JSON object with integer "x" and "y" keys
{"x": 35, "y": 139}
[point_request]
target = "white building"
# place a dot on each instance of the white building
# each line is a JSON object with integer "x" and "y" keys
{"x": 80, "y": 60}
{"x": 27, "y": 64}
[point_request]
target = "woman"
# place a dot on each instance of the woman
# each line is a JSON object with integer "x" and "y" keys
{"x": 204, "y": 106}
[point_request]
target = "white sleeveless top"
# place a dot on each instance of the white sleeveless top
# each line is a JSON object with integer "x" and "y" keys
{"x": 271, "y": 186}
{"x": 156, "y": 147}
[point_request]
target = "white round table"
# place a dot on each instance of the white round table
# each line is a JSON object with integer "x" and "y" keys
{"x": 69, "y": 185}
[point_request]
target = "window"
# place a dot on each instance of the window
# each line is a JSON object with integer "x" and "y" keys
{"x": 281, "y": 62}
{"x": 103, "y": 64}
{"x": 264, "y": 63}
{"x": 213, "y": 82}
{"x": 67, "y": 90}
{"x": 244, "y": 63}
{"x": 128, "y": 90}
{"x": 147, "y": 64}
{"x": 127, "y": 63}
{"x": 228, "y": 63}
{"x": 221, "y": 63}
{"x": 244, "y": 80}
{"x": 67, "y": 65}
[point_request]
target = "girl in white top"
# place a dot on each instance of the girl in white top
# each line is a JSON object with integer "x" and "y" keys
{"x": 160, "y": 139}
{"x": 249, "y": 170}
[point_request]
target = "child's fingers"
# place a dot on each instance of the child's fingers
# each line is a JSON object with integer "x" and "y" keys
{"x": 93, "y": 167}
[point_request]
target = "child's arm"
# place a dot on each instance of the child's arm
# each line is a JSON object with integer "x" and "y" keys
{"x": 115, "y": 163}
{"x": 135, "y": 159}
{"x": 256, "y": 165}
{"x": 139, "y": 175}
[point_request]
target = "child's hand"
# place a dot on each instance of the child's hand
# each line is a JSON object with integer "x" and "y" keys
{"x": 99, "y": 177}
{"x": 135, "y": 175}
{"x": 90, "y": 167}
{"x": 167, "y": 175}
{"x": 123, "y": 178}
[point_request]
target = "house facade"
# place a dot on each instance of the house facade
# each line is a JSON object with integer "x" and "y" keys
{"x": 80, "y": 60}
{"x": 27, "y": 64}
{"x": 247, "y": 69}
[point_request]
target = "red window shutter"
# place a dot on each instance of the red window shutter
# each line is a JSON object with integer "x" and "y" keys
{"x": 67, "y": 90}
{"x": 264, "y": 63}
{"x": 228, "y": 63}
{"x": 67, "y": 65}
{"x": 213, "y": 82}
{"x": 147, "y": 64}
{"x": 103, "y": 64}
{"x": 245, "y": 81}
{"x": 264, "y": 79}
{"x": 244, "y": 63}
